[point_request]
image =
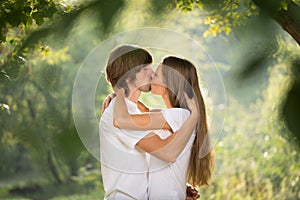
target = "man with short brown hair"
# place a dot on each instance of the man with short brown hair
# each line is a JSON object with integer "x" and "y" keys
{"x": 124, "y": 166}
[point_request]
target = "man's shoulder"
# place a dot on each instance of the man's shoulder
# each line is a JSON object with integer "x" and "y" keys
{"x": 109, "y": 111}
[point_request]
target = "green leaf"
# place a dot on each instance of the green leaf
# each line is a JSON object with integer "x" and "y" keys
{"x": 206, "y": 33}
{"x": 14, "y": 18}
{"x": 200, "y": 5}
{"x": 284, "y": 5}
{"x": 38, "y": 17}
{"x": 27, "y": 10}
{"x": 227, "y": 30}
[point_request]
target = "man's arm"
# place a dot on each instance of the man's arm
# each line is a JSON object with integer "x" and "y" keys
{"x": 142, "y": 107}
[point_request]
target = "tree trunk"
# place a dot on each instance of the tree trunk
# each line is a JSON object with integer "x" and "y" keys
{"x": 52, "y": 167}
{"x": 288, "y": 19}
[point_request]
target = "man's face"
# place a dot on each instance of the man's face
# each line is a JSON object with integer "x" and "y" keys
{"x": 143, "y": 78}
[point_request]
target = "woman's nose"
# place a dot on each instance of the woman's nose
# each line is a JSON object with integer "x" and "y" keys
{"x": 151, "y": 73}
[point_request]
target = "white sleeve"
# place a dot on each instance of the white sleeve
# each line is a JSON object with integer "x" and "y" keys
{"x": 131, "y": 137}
{"x": 175, "y": 117}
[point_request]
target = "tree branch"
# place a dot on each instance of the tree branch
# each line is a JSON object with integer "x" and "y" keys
{"x": 288, "y": 19}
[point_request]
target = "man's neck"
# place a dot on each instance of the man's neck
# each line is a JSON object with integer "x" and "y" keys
{"x": 134, "y": 96}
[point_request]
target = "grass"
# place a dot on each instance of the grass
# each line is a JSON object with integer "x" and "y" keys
{"x": 70, "y": 190}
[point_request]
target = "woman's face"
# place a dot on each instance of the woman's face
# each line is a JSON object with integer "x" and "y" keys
{"x": 157, "y": 85}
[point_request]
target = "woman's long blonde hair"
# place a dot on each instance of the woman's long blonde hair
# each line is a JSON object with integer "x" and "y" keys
{"x": 202, "y": 158}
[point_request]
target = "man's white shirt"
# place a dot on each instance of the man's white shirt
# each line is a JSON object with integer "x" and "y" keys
{"x": 125, "y": 168}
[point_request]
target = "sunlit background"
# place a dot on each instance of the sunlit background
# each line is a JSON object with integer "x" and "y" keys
{"x": 42, "y": 157}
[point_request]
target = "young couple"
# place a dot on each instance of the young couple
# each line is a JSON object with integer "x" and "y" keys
{"x": 152, "y": 154}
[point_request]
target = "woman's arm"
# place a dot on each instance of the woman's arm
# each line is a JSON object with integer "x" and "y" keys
{"x": 145, "y": 121}
{"x": 142, "y": 107}
{"x": 107, "y": 101}
{"x": 169, "y": 149}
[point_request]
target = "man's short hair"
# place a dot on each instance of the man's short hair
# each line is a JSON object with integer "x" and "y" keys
{"x": 123, "y": 59}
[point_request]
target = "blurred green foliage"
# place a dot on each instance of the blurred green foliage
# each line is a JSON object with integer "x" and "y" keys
{"x": 43, "y": 45}
{"x": 24, "y": 13}
{"x": 225, "y": 16}
{"x": 257, "y": 160}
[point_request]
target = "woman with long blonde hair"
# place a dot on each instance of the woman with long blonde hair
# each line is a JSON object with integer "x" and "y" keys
{"x": 174, "y": 78}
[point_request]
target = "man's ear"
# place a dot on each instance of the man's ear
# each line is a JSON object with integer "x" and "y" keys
{"x": 123, "y": 83}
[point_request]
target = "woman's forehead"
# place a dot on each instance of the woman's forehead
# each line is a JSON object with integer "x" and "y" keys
{"x": 159, "y": 67}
